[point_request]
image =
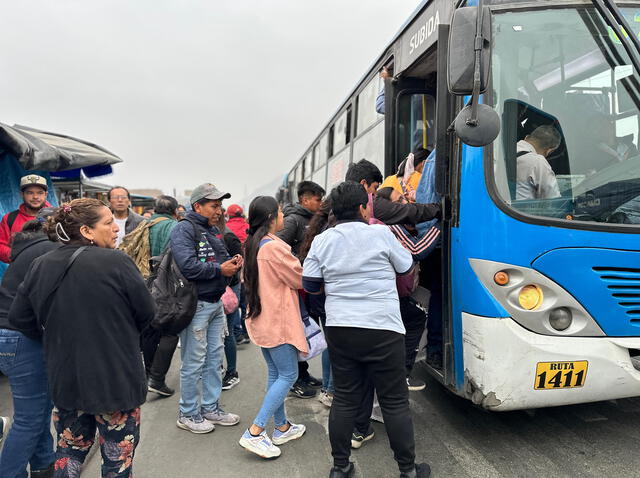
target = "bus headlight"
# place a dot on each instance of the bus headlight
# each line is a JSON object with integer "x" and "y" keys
{"x": 530, "y": 297}
{"x": 560, "y": 318}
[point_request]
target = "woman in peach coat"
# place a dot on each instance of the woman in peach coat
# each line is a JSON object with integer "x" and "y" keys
{"x": 272, "y": 277}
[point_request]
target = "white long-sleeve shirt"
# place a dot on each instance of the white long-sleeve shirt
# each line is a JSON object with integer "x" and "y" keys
{"x": 535, "y": 177}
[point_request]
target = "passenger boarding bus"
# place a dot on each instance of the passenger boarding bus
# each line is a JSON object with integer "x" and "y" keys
{"x": 541, "y": 290}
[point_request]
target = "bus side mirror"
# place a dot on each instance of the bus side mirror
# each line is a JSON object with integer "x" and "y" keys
{"x": 468, "y": 67}
{"x": 462, "y": 52}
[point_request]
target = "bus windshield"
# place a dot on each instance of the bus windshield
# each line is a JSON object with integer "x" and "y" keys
{"x": 569, "y": 100}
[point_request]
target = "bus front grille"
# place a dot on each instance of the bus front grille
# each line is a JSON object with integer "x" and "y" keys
{"x": 623, "y": 284}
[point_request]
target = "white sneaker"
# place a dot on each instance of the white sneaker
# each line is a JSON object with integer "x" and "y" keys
{"x": 326, "y": 398}
{"x": 195, "y": 424}
{"x": 260, "y": 445}
{"x": 220, "y": 417}
{"x": 294, "y": 431}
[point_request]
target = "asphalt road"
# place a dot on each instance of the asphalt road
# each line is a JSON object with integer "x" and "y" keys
{"x": 456, "y": 438}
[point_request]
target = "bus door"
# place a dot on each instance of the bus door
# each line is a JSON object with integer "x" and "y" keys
{"x": 416, "y": 117}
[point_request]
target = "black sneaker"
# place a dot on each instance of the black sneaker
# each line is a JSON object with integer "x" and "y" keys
{"x": 246, "y": 339}
{"x": 346, "y": 472}
{"x": 230, "y": 380}
{"x": 435, "y": 360}
{"x": 312, "y": 382}
{"x": 4, "y": 427}
{"x": 45, "y": 473}
{"x": 423, "y": 470}
{"x": 415, "y": 384}
{"x": 160, "y": 388}
{"x": 358, "y": 438}
{"x": 302, "y": 390}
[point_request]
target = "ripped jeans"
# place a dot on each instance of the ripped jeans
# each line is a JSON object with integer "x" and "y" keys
{"x": 202, "y": 349}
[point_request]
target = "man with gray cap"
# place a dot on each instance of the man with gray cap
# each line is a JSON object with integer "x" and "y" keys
{"x": 34, "y": 197}
{"x": 203, "y": 259}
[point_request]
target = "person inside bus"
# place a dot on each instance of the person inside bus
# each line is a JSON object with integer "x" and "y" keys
{"x": 407, "y": 178}
{"x": 614, "y": 149}
{"x": 364, "y": 332}
{"x": 535, "y": 176}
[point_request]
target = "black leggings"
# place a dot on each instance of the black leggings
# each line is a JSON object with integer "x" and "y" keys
{"x": 358, "y": 356}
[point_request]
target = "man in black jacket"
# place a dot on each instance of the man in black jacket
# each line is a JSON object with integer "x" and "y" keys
{"x": 297, "y": 216}
{"x": 296, "y": 219}
{"x": 391, "y": 213}
{"x": 203, "y": 259}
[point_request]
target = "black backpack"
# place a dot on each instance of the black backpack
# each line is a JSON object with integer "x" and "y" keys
{"x": 176, "y": 298}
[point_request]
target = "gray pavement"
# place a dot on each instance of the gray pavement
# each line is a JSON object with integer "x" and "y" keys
{"x": 456, "y": 438}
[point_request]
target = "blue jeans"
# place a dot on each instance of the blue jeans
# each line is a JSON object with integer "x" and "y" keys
{"x": 230, "y": 347}
{"x": 236, "y": 329}
{"x": 327, "y": 377}
{"x": 30, "y": 440}
{"x": 201, "y": 352}
{"x": 282, "y": 365}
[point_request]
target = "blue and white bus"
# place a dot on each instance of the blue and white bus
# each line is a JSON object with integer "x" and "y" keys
{"x": 541, "y": 295}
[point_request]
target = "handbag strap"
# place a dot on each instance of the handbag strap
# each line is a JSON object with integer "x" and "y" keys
{"x": 46, "y": 304}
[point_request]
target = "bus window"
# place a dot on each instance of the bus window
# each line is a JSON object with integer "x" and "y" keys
{"x": 307, "y": 167}
{"x": 319, "y": 177}
{"x": 337, "y": 169}
{"x": 340, "y": 132}
{"x": 370, "y": 146}
{"x": 367, "y": 105}
{"x": 347, "y": 130}
{"x": 330, "y": 149}
{"x": 416, "y": 123}
{"x": 315, "y": 158}
{"x": 323, "y": 150}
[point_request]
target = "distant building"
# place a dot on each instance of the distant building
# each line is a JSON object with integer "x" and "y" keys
{"x": 153, "y": 193}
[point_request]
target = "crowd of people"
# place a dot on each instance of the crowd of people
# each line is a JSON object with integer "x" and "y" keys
{"x": 84, "y": 335}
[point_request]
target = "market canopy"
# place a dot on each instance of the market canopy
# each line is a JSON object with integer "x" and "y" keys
{"x": 41, "y": 150}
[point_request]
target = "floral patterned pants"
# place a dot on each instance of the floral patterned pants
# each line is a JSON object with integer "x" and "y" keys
{"x": 119, "y": 435}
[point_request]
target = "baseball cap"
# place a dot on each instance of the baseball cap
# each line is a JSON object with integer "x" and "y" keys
{"x": 33, "y": 180}
{"x": 234, "y": 210}
{"x": 207, "y": 191}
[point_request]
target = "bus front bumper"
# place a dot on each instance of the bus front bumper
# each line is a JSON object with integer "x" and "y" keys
{"x": 504, "y": 365}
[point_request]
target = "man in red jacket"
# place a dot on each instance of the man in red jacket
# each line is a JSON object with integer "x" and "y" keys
{"x": 34, "y": 196}
{"x": 237, "y": 223}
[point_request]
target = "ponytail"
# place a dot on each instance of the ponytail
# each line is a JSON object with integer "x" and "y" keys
{"x": 263, "y": 210}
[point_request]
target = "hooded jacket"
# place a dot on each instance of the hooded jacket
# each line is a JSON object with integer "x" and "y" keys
{"x": 238, "y": 226}
{"x": 198, "y": 254}
{"x": 6, "y": 234}
{"x": 296, "y": 220}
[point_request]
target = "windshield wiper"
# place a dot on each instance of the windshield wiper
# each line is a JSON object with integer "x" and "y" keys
{"x": 615, "y": 19}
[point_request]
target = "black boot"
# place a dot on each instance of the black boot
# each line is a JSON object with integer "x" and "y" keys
{"x": 346, "y": 472}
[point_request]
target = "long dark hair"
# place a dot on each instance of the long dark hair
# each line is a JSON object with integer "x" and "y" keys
{"x": 419, "y": 155}
{"x": 318, "y": 223}
{"x": 263, "y": 210}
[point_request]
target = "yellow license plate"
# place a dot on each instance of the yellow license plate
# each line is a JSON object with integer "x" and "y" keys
{"x": 556, "y": 375}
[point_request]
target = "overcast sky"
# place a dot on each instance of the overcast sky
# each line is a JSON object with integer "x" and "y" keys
{"x": 188, "y": 91}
